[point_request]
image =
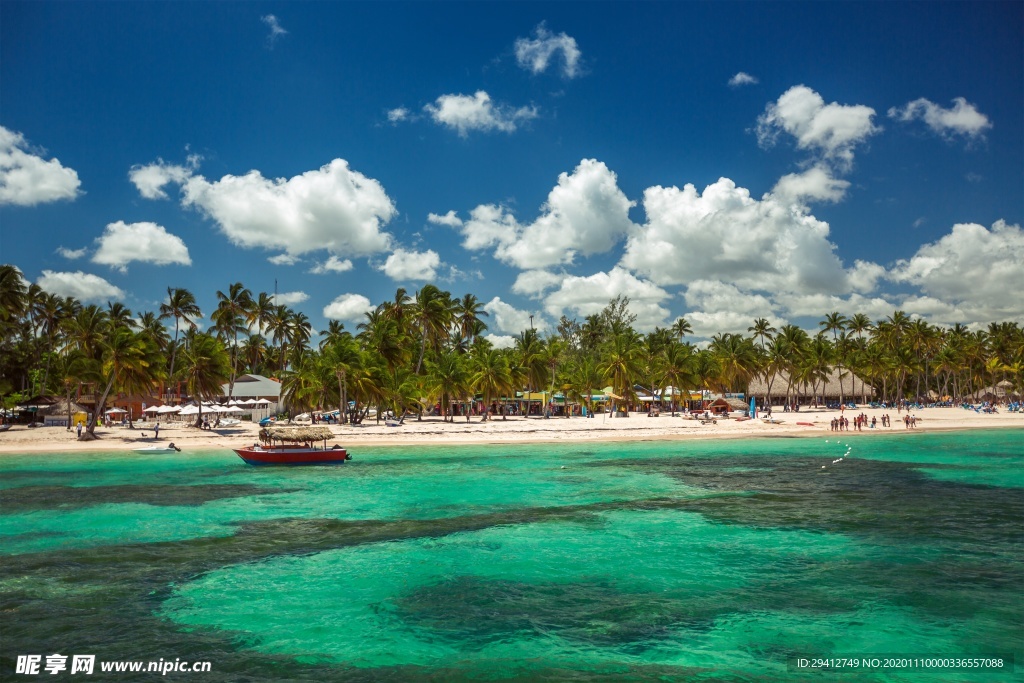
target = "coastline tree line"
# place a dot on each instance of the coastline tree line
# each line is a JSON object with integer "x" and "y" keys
{"x": 428, "y": 347}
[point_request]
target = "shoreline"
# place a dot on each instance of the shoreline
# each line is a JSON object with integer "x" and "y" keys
{"x": 517, "y": 430}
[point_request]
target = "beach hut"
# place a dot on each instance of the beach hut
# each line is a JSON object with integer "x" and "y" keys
{"x": 57, "y": 414}
{"x": 723, "y": 406}
{"x": 853, "y": 388}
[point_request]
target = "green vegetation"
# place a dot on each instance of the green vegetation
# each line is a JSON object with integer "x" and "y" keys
{"x": 414, "y": 351}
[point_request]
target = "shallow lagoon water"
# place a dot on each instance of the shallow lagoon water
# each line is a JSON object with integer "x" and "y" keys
{"x": 643, "y": 561}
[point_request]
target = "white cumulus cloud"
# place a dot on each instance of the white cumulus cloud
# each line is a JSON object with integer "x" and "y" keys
{"x": 146, "y": 242}
{"x": 26, "y": 179}
{"x": 450, "y": 219}
{"x": 83, "y": 286}
{"x": 815, "y": 184}
{"x": 72, "y": 254}
{"x": 833, "y": 130}
{"x": 535, "y": 282}
{"x": 742, "y": 78}
{"x": 332, "y": 265}
{"x": 276, "y": 30}
{"x": 283, "y": 260}
{"x": 510, "y": 320}
{"x": 412, "y": 265}
{"x": 150, "y": 179}
{"x": 397, "y": 115}
{"x": 974, "y": 269}
{"x": 586, "y": 213}
{"x": 290, "y": 298}
{"x": 501, "y": 341}
{"x": 717, "y": 306}
{"x": 725, "y": 234}
{"x": 535, "y": 54}
{"x": 583, "y": 296}
{"x": 963, "y": 118}
{"x": 466, "y": 113}
{"x": 332, "y": 208}
{"x": 348, "y": 307}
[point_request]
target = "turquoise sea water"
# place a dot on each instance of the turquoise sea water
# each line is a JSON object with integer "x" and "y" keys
{"x": 658, "y": 560}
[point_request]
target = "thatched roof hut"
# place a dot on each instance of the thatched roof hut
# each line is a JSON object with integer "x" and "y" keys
{"x": 61, "y": 408}
{"x": 725, "y": 405}
{"x": 296, "y": 434}
{"x": 852, "y": 386}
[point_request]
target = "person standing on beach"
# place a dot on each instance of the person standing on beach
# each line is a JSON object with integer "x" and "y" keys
{"x": 156, "y": 431}
{"x": 79, "y": 429}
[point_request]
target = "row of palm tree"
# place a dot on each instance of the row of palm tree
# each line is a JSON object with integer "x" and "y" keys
{"x": 429, "y": 348}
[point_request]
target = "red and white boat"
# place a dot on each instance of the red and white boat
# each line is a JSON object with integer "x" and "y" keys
{"x": 293, "y": 446}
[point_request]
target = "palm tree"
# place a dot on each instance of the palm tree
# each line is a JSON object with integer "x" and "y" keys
{"x": 763, "y": 329}
{"x": 69, "y": 370}
{"x": 835, "y": 323}
{"x": 530, "y": 351}
{"x": 13, "y": 293}
{"x": 205, "y": 368}
{"x": 128, "y": 364}
{"x": 859, "y": 324}
{"x": 232, "y": 312}
{"x": 335, "y": 328}
{"x": 120, "y": 315}
{"x": 737, "y": 357}
{"x": 181, "y": 305}
{"x": 679, "y": 370}
{"x": 383, "y": 336}
{"x": 54, "y": 311}
{"x": 277, "y": 326}
{"x": 585, "y": 378}
{"x": 342, "y": 357}
{"x": 430, "y": 312}
{"x": 681, "y": 327}
{"x": 255, "y": 353}
{"x": 794, "y": 341}
{"x": 468, "y": 311}
{"x": 489, "y": 374}
{"x": 447, "y": 377}
{"x": 299, "y": 330}
{"x": 260, "y": 312}
{"x": 551, "y": 356}
{"x": 622, "y": 363}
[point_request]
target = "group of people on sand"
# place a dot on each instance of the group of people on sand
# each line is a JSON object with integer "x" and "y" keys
{"x": 842, "y": 424}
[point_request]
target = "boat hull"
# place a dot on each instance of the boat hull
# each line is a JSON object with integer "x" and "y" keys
{"x": 292, "y": 456}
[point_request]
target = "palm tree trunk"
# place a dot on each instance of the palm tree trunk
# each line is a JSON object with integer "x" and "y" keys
{"x": 101, "y": 403}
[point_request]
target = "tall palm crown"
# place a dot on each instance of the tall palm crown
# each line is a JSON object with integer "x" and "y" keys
{"x": 681, "y": 327}
{"x": 181, "y": 305}
{"x": 230, "y": 317}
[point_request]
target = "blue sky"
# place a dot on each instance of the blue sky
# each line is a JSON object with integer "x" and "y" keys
{"x": 722, "y": 161}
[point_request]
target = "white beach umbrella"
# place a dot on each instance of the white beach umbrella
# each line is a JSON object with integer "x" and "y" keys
{"x": 153, "y": 409}
{"x": 232, "y": 409}
{"x": 249, "y": 402}
{"x": 165, "y": 410}
{"x": 189, "y": 410}
{"x": 116, "y": 411}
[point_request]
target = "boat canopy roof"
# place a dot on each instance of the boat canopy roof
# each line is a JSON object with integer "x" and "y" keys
{"x": 275, "y": 433}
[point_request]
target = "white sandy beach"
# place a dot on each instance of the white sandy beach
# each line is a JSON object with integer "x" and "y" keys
{"x": 20, "y": 439}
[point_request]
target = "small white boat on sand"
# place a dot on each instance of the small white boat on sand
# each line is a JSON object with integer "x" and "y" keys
{"x": 169, "y": 448}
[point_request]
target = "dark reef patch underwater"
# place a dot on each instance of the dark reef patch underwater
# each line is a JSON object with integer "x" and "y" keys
{"x": 668, "y": 561}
